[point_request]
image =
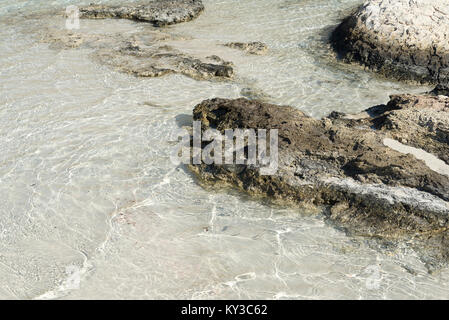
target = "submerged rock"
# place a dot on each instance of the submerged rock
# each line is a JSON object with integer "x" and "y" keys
{"x": 143, "y": 54}
{"x": 347, "y": 164}
{"x": 407, "y": 40}
{"x": 157, "y": 12}
{"x": 258, "y": 48}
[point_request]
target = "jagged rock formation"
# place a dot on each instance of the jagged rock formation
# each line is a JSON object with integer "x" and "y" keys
{"x": 157, "y": 12}
{"x": 346, "y": 163}
{"x": 257, "y": 48}
{"x": 404, "y": 39}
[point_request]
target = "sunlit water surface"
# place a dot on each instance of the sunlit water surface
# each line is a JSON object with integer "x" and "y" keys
{"x": 92, "y": 207}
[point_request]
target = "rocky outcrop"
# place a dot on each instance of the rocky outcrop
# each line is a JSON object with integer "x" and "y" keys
{"x": 407, "y": 40}
{"x": 157, "y": 12}
{"x": 357, "y": 167}
{"x": 257, "y": 48}
{"x": 143, "y": 54}
{"x": 150, "y": 51}
{"x": 156, "y": 61}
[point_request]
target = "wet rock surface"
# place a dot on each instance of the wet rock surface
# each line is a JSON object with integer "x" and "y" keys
{"x": 257, "y": 48}
{"x": 157, "y": 12}
{"x": 160, "y": 60}
{"x": 343, "y": 164}
{"x": 145, "y": 53}
{"x": 406, "y": 40}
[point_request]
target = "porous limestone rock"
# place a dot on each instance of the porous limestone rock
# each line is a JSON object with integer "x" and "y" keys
{"x": 154, "y": 61}
{"x": 342, "y": 163}
{"x": 404, "y": 39}
{"x": 157, "y": 12}
{"x": 257, "y": 48}
{"x": 440, "y": 90}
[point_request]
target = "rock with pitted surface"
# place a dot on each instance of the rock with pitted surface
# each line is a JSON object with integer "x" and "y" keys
{"x": 157, "y": 12}
{"x": 158, "y": 60}
{"x": 441, "y": 90}
{"x": 257, "y": 48}
{"x": 143, "y": 54}
{"x": 351, "y": 165}
{"x": 403, "y": 39}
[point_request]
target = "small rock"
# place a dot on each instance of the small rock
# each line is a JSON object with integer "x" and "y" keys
{"x": 257, "y": 48}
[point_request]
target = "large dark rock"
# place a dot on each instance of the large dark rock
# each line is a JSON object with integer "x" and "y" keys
{"x": 349, "y": 164}
{"x": 157, "y": 12}
{"x": 406, "y": 40}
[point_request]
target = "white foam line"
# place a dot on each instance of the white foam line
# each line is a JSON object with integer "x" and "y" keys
{"x": 430, "y": 160}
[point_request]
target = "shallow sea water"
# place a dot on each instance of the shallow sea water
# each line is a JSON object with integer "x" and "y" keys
{"x": 92, "y": 207}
